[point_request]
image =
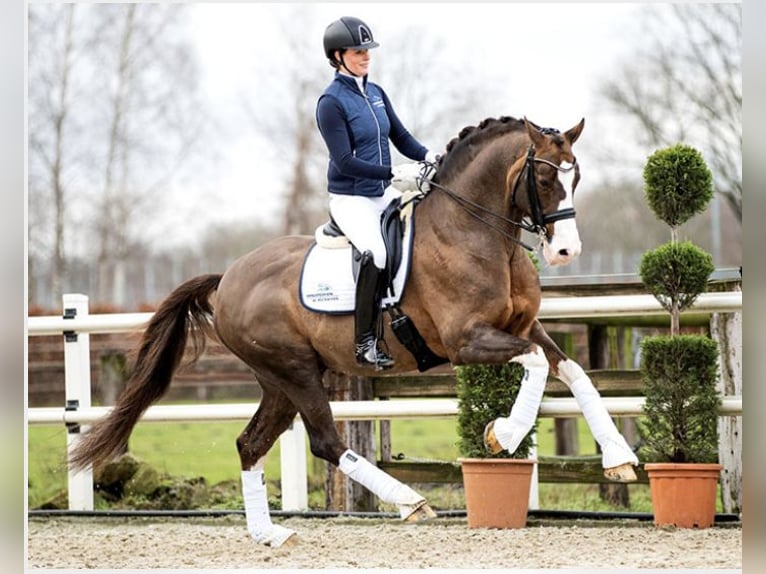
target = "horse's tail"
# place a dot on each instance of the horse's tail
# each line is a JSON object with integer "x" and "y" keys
{"x": 187, "y": 310}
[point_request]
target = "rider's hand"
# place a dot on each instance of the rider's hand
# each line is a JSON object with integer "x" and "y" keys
{"x": 432, "y": 157}
{"x": 405, "y": 176}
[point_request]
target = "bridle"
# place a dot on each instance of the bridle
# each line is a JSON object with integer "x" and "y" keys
{"x": 539, "y": 220}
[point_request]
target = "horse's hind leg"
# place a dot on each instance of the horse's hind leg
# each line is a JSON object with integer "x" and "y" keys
{"x": 274, "y": 415}
{"x": 305, "y": 390}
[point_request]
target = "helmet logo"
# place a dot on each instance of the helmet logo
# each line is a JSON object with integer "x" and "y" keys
{"x": 364, "y": 35}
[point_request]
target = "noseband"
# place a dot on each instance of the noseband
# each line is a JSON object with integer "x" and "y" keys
{"x": 539, "y": 219}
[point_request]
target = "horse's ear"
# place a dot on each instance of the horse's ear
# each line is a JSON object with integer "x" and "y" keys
{"x": 572, "y": 135}
{"x": 534, "y": 133}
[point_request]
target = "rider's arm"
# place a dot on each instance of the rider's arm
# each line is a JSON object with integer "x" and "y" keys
{"x": 332, "y": 126}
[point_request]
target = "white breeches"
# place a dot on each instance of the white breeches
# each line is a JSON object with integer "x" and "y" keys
{"x": 359, "y": 218}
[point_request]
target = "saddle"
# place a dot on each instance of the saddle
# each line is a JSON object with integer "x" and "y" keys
{"x": 392, "y": 227}
{"x": 396, "y": 227}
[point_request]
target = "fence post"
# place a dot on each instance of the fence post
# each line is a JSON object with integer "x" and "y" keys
{"x": 77, "y": 385}
{"x": 534, "y": 487}
{"x": 726, "y": 330}
{"x": 292, "y": 447}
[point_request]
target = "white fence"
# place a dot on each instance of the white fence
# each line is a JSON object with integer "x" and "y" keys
{"x": 76, "y": 324}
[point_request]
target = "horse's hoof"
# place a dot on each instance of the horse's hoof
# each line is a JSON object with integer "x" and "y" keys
{"x": 490, "y": 440}
{"x": 621, "y": 473}
{"x": 281, "y": 537}
{"x": 422, "y": 512}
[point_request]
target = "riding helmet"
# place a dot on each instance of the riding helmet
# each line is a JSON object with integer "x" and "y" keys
{"x": 346, "y": 34}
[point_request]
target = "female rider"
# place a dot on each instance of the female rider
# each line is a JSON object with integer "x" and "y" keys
{"x": 356, "y": 120}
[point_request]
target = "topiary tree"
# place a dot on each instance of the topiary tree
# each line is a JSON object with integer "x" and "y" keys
{"x": 678, "y": 185}
{"x": 676, "y": 274}
{"x": 679, "y": 372}
{"x": 681, "y": 400}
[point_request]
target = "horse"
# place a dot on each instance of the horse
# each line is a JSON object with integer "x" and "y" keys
{"x": 473, "y": 293}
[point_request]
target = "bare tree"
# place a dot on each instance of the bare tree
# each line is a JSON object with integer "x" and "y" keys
{"x": 114, "y": 113}
{"x": 152, "y": 121}
{"x": 48, "y": 135}
{"x": 434, "y": 102}
{"x": 687, "y": 86}
{"x": 285, "y": 117}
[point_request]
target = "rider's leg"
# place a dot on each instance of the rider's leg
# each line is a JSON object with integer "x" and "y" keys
{"x": 367, "y": 317}
{"x": 359, "y": 218}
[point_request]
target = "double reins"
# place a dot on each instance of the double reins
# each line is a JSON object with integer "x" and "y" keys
{"x": 539, "y": 219}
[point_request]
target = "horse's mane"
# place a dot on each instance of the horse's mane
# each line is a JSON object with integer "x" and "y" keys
{"x": 463, "y": 148}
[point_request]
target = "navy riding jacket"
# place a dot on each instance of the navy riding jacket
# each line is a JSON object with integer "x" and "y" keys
{"x": 356, "y": 127}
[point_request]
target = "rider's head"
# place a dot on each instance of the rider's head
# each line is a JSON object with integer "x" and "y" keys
{"x": 348, "y": 33}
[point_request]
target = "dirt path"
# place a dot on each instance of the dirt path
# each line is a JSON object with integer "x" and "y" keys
{"x": 182, "y": 543}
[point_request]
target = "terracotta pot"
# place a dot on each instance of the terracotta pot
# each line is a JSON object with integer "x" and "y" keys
{"x": 497, "y": 491}
{"x": 683, "y": 494}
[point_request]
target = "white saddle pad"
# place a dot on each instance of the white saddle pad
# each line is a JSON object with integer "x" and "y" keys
{"x": 327, "y": 281}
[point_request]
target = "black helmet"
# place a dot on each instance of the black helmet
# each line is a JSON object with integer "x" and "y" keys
{"x": 347, "y": 33}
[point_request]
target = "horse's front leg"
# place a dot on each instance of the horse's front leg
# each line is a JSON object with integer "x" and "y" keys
{"x": 618, "y": 458}
{"x": 486, "y": 345}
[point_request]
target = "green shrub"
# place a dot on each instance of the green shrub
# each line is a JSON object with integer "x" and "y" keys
{"x": 676, "y": 273}
{"x": 486, "y": 392}
{"x": 678, "y": 184}
{"x": 679, "y": 371}
{"x": 679, "y": 375}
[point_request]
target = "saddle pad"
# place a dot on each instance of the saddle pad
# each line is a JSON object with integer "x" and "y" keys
{"x": 327, "y": 281}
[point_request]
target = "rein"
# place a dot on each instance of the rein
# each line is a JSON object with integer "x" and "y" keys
{"x": 539, "y": 220}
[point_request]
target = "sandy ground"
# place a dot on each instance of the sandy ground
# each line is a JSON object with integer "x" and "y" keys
{"x": 343, "y": 542}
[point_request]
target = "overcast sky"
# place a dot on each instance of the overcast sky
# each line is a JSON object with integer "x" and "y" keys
{"x": 544, "y": 58}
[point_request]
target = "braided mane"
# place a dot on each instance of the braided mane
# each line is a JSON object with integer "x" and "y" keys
{"x": 462, "y": 149}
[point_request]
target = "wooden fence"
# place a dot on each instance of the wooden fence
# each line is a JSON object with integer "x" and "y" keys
{"x": 584, "y": 337}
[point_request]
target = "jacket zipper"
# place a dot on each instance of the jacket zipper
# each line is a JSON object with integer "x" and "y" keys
{"x": 377, "y": 126}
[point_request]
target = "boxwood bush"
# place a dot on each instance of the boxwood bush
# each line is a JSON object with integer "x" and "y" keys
{"x": 486, "y": 392}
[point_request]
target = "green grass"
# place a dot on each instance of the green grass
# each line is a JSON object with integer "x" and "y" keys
{"x": 208, "y": 449}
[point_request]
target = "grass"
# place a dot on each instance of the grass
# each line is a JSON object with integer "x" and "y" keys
{"x": 207, "y": 449}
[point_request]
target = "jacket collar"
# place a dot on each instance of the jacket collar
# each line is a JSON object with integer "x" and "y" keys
{"x": 350, "y": 81}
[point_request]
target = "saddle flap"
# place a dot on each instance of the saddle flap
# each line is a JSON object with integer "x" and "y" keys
{"x": 328, "y": 276}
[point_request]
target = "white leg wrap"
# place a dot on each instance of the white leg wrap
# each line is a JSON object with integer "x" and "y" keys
{"x": 614, "y": 448}
{"x": 511, "y": 430}
{"x": 383, "y": 485}
{"x": 259, "y": 523}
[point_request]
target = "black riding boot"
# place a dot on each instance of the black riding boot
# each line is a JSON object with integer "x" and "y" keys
{"x": 368, "y": 297}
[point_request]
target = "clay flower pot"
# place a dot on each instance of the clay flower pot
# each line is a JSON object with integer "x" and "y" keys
{"x": 497, "y": 491}
{"x": 683, "y": 494}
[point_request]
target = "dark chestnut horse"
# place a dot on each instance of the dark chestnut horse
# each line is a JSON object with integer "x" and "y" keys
{"x": 473, "y": 293}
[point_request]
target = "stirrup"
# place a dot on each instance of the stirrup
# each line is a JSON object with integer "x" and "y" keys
{"x": 368, "y": 353}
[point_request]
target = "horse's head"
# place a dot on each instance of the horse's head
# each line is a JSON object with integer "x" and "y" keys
{"x": 542, "y": 184}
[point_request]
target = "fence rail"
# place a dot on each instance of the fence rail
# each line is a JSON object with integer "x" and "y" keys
{"x": 551, "y": 308}
{"x": 76, "y": 325}
{"x": 349, "y": 410}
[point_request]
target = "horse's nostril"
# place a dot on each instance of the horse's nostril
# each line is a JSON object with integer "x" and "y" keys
{"x": 564, "y": 252}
